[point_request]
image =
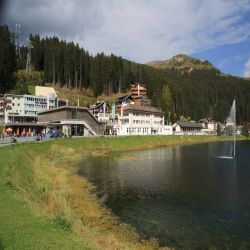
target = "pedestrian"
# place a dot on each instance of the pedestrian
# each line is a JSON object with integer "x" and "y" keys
{"x": 51, "y": 134}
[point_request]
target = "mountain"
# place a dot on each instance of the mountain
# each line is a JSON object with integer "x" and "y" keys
{"x": 184, "y": 63}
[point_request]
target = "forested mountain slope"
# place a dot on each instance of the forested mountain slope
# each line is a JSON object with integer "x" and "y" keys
{"x": 201, "y": 92}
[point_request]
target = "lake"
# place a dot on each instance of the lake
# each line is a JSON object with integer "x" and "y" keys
{"x": 186, "y": 196}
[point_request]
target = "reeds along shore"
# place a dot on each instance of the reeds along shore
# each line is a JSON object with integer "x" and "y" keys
{"x": 40, "y": 188}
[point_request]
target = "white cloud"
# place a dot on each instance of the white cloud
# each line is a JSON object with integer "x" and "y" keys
{"x": 140, "y": 30}
{"x": 247, "y": 69}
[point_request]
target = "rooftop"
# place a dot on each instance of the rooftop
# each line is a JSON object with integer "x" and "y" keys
{"x": 189, "y": 124}
{"x": 61, "y": 108}
{"x": 137, "y": 108}
{"x": 98, "y": 104}
{"x": 44, "y": 91}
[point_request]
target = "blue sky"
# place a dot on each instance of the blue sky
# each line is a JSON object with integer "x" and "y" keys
{"x": 144, "y": 30}
{"x": 230, "y": 59}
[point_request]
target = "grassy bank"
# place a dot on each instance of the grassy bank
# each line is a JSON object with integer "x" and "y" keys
{"x": 45, "y": 205}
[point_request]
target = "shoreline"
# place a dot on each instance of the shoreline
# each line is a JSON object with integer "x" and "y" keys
{"x": 60, "y": 191}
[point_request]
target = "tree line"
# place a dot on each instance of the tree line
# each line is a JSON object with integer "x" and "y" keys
{"x": 68, "y": 64}
{"x": 203, "y": 93}
{"x": 7, "y": 59}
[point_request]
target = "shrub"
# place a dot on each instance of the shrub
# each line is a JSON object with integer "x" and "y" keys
{"x": 245, "y": 131}
{"x": 219, "y": 129}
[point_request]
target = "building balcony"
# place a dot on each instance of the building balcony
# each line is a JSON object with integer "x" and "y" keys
{"x": 136, "y": 92}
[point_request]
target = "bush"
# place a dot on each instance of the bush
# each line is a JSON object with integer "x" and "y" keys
{"x": 219, "y": 129}
{"x": 34, "y": 78}
{"x": 245, "y": 131}
{"x": 20, "y": 89}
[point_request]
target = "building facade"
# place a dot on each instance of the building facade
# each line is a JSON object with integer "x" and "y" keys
{"x": 101, "y": 111}
{"x": 71, "y": 121}
{"x": 2, "y": 109}
{"x": 139, "y": 120}
{"x": 187, "y": 128}
{"x": 138, "y": 92}
{"x": 24, "y": 108}
{"x": 208, "y": 125}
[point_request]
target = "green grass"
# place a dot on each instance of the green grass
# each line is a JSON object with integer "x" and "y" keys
{"x": 124, "y": 143}
{"x": 21, "y": 225}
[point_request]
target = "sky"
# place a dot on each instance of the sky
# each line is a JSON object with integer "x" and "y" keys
{"x": 143, "y": 30}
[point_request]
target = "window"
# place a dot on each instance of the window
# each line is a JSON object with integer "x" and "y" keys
{"x": 13, "y": 104}
{"x": 73, "y": 114}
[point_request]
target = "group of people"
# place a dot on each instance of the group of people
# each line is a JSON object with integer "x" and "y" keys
{"x": 39, "y": 135}
{"x": 50, "y": 133}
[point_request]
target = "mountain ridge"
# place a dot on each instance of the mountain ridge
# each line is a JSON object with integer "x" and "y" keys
{"x": 184, "y": 63}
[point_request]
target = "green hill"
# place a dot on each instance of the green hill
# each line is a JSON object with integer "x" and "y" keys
{"x": 183, "y": 62}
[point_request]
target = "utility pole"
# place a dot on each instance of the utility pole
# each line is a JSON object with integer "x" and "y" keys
{"x": 17, "y": 40}
{"x": 28, "y": 62}
{"x": 80, "y": 83}
{"x": 54, "y": 70}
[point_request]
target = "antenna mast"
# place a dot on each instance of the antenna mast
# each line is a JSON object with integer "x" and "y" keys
{"x": 28, "y": 62}
{"x": 17, "y": 39}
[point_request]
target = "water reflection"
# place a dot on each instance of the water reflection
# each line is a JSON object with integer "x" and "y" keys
{"x": 184, "y": 196}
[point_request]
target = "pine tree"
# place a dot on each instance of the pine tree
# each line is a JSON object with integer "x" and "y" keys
{"x": 7, "y": 59}
{"x": 219, "y": 132}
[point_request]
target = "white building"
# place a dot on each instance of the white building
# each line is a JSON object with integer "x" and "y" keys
{"x": 208, "y": 125}
{"x": 139, "y": 120}
{"x": 167, "y": 130}
{"x": 187, "y": 128}
{"x": 24, "y": 108}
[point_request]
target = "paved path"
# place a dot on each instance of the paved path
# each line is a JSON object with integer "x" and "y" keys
{"x": 8, "y": 141}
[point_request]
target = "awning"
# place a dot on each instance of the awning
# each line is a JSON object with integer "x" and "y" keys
{"x": 9, "y": 130}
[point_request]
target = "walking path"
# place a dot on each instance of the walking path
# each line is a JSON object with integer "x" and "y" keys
{"x": 8, "y": 140}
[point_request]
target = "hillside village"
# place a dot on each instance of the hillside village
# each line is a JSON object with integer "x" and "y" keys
{"x": 46, "y": 115}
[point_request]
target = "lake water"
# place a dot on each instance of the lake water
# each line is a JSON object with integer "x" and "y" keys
{"x": 186, "y": 197}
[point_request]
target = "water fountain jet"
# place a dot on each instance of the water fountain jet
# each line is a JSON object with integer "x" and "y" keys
{"x": 231, "y": 127}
